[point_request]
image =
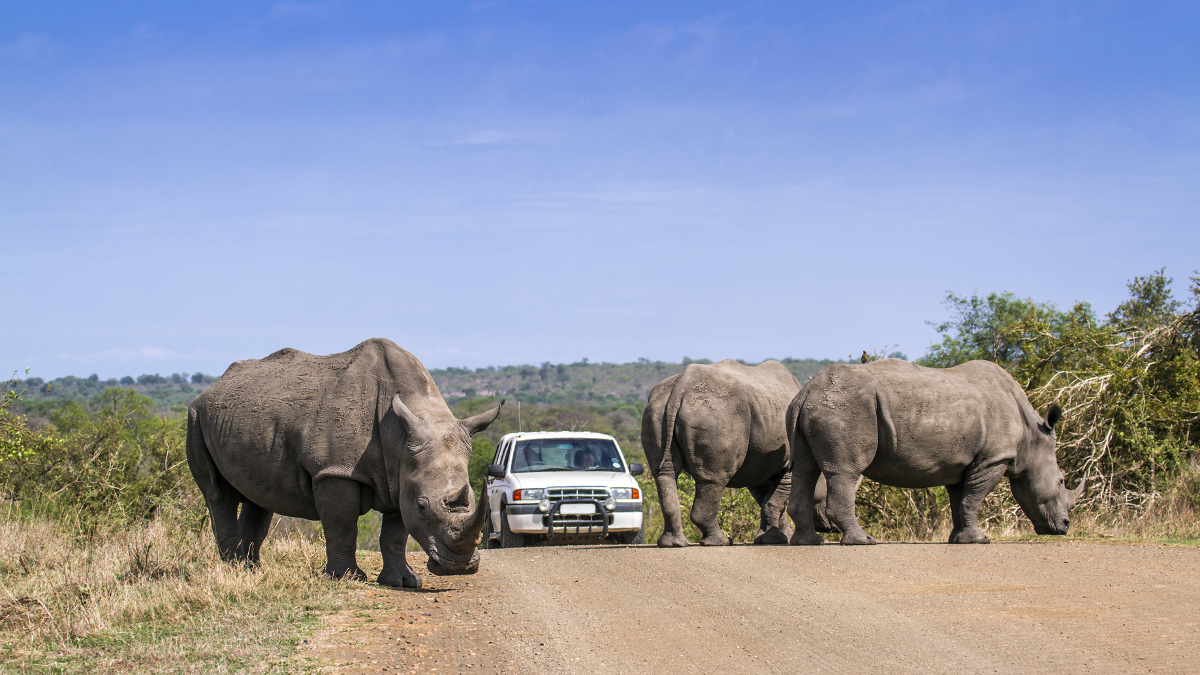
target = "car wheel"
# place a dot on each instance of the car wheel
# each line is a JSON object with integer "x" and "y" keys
{"x": 508, "y": 539}
{"x": 639, "y": 537}
{"x": 488, "y": 541}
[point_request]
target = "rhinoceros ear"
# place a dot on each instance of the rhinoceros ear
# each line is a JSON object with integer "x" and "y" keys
{"x": 410, "y": 420}
{"x": 478, "y": 423}
{"x": 1053, "y": 414}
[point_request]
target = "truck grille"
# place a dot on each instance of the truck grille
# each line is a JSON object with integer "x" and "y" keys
{"x": 555, "y": 494}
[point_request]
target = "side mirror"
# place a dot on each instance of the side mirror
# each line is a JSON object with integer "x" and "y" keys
{"x": 636, "y": 469}
{"x": 495, "y": 471}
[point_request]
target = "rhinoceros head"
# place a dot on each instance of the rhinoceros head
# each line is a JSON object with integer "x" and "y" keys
{"x": 435, "y": 497}
{"x": 1041, "y": 488}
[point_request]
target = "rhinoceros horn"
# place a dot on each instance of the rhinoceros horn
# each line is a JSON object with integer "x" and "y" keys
{"x": 479, "y": 422}
{"x": 1078, "y": 491}
{"x": 410, "y": 420}
{"x": 466, "y": 536}
{"x": 476, "y": 525}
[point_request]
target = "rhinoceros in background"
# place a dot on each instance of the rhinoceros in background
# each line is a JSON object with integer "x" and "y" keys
{"x": 329, "y": 438}
{"x": 901, "y": 424}
{"x": 724, "y": 425}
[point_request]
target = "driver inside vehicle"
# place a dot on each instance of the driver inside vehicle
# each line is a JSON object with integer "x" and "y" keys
{"x": 585, "y": 459}
{"x": 533, "y": 456}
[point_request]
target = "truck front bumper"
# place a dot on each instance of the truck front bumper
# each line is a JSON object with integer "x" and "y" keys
{"x": 527, "y": 519}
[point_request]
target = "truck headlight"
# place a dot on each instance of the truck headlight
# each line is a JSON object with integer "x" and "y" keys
{"x": 544, "y": 505}
{"x": 527, "y": 495}
{"x": 621, "y": 493}
{"x": 610, "y": 504}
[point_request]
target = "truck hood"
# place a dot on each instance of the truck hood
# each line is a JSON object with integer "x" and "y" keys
{"x": 551, "y": 479}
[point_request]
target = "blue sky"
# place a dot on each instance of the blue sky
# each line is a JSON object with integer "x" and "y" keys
{"x": 187, "y": 184}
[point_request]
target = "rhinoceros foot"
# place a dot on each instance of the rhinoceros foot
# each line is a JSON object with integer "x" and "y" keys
{"x": 349, "y": 573}
{"x": 773, "y": 536}
{"x": 716, "y": 539}
{"x": 810, "y": 539}
{"x": 672, "y": 540}
{"x": 971, "y": 535}
{"x": 398, "y": 579}
{"x": 857, "y": 539}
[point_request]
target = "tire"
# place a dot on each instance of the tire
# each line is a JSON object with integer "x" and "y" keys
{"x": 640, "y": 536}
{"x": 488, "y": 542}
{"x": 507, "y": 538}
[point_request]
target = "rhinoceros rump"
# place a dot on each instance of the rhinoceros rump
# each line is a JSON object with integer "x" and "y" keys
{"x": 724, "y": 425}
{"x": 329, "y": 438}
{"x": 901, "y": 424}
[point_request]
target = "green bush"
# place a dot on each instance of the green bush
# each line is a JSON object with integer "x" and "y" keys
{"x": 111, "y": 463}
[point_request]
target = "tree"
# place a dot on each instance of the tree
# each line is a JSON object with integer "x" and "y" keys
{"x": 993, "y": 328}
{"x": 1150, "y": 302}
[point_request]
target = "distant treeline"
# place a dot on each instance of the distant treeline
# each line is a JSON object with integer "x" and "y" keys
{"x": 171, "y": 392}
{"x": 606, "y": 386}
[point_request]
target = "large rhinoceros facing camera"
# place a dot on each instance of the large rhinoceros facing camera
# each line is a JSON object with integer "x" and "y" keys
{"x": 329, "y": 438}
{"x": 901, "y": 424}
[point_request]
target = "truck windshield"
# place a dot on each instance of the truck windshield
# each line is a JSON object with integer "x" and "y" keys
{"x": 566, "y": 454}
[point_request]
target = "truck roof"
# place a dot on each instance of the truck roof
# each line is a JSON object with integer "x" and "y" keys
{"x": 525, "y": 435}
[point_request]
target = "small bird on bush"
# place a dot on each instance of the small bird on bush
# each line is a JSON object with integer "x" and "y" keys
{"x": 865, "y": 358}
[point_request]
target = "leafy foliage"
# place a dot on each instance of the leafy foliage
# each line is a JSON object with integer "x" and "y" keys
{"x": 117, "y": 464}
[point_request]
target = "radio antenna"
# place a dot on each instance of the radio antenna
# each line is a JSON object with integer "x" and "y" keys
{"x": 519, "y": 430}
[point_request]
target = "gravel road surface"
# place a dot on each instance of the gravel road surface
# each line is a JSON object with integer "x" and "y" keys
{"x": 1050, "y": 606}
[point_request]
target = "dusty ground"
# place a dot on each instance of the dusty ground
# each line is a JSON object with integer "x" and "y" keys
{"x": 1040, "y": 607}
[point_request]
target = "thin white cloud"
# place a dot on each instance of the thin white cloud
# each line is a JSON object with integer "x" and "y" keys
{"x": 31, "y": 47}
{"x": 706, "y": 31}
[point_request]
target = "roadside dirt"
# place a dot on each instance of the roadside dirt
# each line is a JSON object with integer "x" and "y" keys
{"x": 1036, "y": 607}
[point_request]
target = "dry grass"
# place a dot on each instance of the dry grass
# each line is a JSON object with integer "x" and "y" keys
{"x": 152, "y": 598}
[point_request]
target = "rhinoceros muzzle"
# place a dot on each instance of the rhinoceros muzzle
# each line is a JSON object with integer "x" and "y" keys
{"x": 1052, "y": 528}
{"x": 444, "y": 562}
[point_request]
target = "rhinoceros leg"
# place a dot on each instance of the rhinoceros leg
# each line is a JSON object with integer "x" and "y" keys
{"x": 966, "y": 500}
{"x": 704, "y": 513}
{"x": 772, "y": 498}
{"x": 338, "y": 505}
{"x": 667, "y": 480}
{"x": 223, "y": 509}
{"x": 801, "y": 503}
{"x": 393, "y": 537}
{"x": 839, "y": 507}
{"x": 252, "y": 526}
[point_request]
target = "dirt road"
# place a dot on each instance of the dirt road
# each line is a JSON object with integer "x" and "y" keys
{"x": 1040, "y": 607}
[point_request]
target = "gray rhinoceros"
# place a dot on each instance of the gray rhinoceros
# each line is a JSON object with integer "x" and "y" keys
{"x": 901, "y": 424}
{"x": 329, "y": 438}
{"x": 724, "y": 425}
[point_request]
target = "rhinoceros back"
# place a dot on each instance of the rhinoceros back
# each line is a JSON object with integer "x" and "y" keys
{"x": 274, "y": 425}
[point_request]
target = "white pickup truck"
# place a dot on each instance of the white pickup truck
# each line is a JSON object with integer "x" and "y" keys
{"x": 562, "y": 487}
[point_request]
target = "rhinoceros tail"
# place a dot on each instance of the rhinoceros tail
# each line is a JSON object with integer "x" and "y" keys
{"x": 204, "y": 470}
{"x": 794, "y": 426}
{"x": 670, "y": 411}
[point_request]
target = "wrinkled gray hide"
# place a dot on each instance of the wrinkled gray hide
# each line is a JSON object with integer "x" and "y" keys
{"x": 901, "y": 424}
{"x": 724, "y": 425}
{"x": 329, "y": 438}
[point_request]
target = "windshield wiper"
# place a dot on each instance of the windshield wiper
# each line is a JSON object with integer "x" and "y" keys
{"x": 551, "y": 468}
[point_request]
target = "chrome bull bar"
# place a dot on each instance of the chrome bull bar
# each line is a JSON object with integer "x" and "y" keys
{"x": 550, "y": 527}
